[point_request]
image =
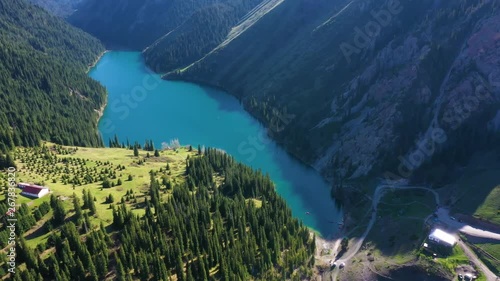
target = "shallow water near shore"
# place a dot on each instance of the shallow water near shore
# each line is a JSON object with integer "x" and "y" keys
{"x": 142, "y": 106}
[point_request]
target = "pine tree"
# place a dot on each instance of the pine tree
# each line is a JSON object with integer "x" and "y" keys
{"x": 77, "y": 208}
{"x": 120, "y": 270}
{"x": 92, "y": 207}
{"x": 93, "y": 272}
{"x": 179, "y": 269}
{"x": 59, "y": 213}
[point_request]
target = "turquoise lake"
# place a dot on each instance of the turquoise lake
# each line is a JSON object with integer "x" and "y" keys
{"x": 142, "y": 106}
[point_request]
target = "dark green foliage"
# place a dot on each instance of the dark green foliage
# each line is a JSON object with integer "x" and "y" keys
{"x": 42, "y": 210}
{"x": 186, "y": 234}
{"x": 89, "y": 201}
{"x": 25, "y": 219}
{"x": 44, "y": 91}
{"x": 77, "y": 208}
{"x": 59, "y": 211}
{"x": 106, "y": 183}
{"x": 137, "y": 30}
{"x": 289, "y": 71}
{"x": 60, "y": 8}
{"x": 115, "y": 142}
{"x": 6, "y": 160}
{"x": 344, "y": 244}
{"x": 149, "y": 145}
{"x": 110, "y": 198}
{"x": 219, "y": 224}
{"x": 201, "y": 33}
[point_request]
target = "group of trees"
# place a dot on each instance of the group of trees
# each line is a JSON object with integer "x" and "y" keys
{"x": 201, "y": 33}
{"x": 62, "y": 8}
{"x": 217, "y": 232}
{"x": 219, "y": 227}
{"x": 52, "y": 164}
{"x": 73, "y": 258}
{"x": 148, "y": 146}
{"x": 45, "y": 93}
{"x": 26, "y": 219}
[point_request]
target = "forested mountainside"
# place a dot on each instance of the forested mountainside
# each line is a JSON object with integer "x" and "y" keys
{"x": 204, "y": 30}
{"x": 45, "y": 93}
{"x": 138, "y": 24}
{"x": 202, "y": 217}
{"x": 61, "y": 8}
{"x": 347, "y": 86}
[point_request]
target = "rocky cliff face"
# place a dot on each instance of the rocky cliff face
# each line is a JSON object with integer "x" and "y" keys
{"x": 373, "y": 86}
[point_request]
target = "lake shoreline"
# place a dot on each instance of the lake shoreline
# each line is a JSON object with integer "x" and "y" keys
{"x": 318, "y": 213}
{"x": 171, "y": 76}
{"x": 100, "y": 112}
{"x": 92, "y": 65}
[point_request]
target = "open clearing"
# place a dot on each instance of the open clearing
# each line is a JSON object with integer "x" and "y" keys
{"x": 70, "y": 170}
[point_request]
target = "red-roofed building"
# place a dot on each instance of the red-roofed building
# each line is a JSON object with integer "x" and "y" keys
{"x": 32, "y": 190}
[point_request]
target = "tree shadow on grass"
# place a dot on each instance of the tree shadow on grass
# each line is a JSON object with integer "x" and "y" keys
{"x": 42, "y": 230}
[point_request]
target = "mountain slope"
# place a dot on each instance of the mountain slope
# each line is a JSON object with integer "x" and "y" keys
{"x": 61, "y": 8}
{"x": 45, "y": 93}
{"x": 350, "y": 85}
{"x": 138, "y": 24}
{"x": 203, "y": 31}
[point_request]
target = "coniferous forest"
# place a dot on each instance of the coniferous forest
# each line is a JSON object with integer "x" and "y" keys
{"x": 225, "y": 222}
{"x": 45, "y": 92}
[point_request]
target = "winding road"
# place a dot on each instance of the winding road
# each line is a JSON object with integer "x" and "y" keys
{"x": 443, "y": 216}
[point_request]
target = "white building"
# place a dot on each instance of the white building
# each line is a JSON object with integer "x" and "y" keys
{"x": 443, "y": 238}
{"x": 35, "y": 191}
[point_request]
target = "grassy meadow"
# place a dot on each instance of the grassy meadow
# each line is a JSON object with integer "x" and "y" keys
{"x": 67, "y": 171}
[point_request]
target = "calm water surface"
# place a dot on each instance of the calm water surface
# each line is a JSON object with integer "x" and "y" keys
{"x": 142, "y": 106}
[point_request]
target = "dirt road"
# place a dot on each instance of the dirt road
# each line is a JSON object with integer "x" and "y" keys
{"x": 490, "y": 276}
{"x": 443, "y": 215}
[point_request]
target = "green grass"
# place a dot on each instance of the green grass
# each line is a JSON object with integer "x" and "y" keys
{"x": 37, "y": 170}
{"x": 36, "y": 239}
{"x": 399, "y": 229}
{"x": 478, "y": 189}
{"x": 407, "y": 203}
{"x": 257, "y": 203}
{"x": 451, "y": 262}
{"x": 490, "y": 209}
{"x": 492, "y": 256}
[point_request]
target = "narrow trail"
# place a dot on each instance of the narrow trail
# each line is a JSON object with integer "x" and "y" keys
{"x": 334, "y": 16}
